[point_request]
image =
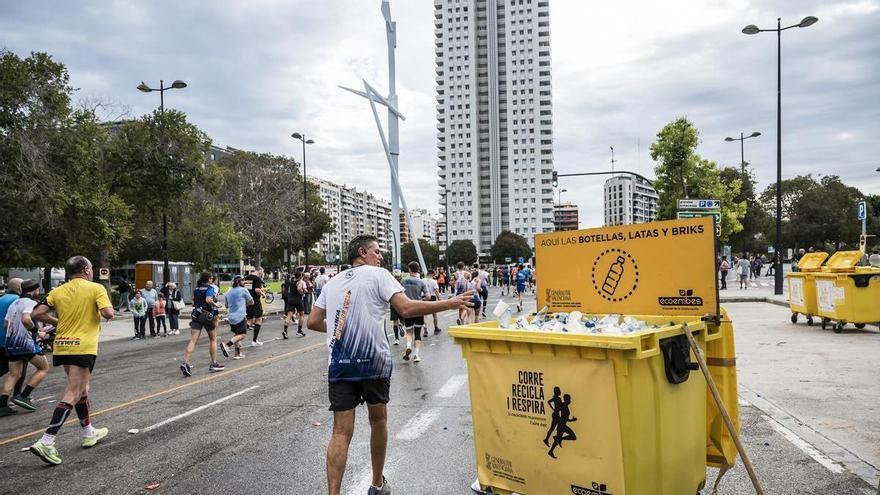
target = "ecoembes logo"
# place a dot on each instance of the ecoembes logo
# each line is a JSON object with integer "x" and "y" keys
{"x": 597, "y": 489}
{"x": 685, "y": 299}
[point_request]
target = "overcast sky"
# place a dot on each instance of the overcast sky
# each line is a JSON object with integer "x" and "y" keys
{"x": 260, "y": 70}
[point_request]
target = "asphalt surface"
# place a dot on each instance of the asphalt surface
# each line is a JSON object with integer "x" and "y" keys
{"x": 262, "y": 425}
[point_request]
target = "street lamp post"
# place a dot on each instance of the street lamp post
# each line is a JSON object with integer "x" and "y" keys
{"x": 742, "y": 153}
{"x": 559, "y": 201}
{"x": 305, "y": 141}
{"x": 752, "y": 29}
{"x": 177, "y": 84}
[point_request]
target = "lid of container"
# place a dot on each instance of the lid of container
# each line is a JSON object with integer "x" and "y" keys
{"x": 844, "y": 261}
{"x": 811, "y": 262}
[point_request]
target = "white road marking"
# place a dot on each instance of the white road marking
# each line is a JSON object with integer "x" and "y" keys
{"x": 452, "y": 386}
{"x": 200, "y": 408}
{"x": 807, "y": 448}
{"x": 419, "y": 424}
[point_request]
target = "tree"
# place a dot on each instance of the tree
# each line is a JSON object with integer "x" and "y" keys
{"x": 816, "y": 213}
{"x": 682, "y": 173}
{"x": 752, "y": 237}
{"x": 461, "y": 250}
{"x": 429, "y": 251}
{"x": 34, "y": 104}
{"x": 510, "y": 245}
{"x": 264, "y": 195}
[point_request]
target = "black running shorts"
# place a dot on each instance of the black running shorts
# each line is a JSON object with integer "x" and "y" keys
{"x": 239, "y": 328}
{"x": 294, "y": 305}
{"x": 20, "y": 357}
{"x": 255, "y": 310}
{"x": 395, "y": 316}
{"x": 345, "y": 396}
{"x": 418, "y": 321}
{"x": 81, "y": 360}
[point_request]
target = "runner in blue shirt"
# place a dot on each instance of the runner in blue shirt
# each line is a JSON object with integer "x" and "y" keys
{"x": 521, "y": 278}
{"x": 237, "y": 300}
{"x": 204, "y": 316}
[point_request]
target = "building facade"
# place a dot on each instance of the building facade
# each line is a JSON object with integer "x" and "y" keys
{"x": 424, "y": 224}
{"x": 494, "y": 118}
{"x": 565, "y": 216}
{"x": 629, "y": 200}
{"x": 353, "y": 213}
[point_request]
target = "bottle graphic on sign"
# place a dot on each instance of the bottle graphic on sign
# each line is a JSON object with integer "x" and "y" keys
{"x": 612, "y": 278}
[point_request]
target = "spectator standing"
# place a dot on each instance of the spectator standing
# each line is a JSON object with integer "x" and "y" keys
{"x": 150, "y": 295}
{"x": 724, "y": 267}
{"x": 321, "y": 279}
{"x": 139, "y": 312}
{"x": 159, "y": 313}
{"x": 173, "y": 299}
{"x": 743, "y": 268}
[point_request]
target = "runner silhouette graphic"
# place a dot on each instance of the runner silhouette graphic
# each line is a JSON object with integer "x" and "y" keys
{"x": 563, "y": 432}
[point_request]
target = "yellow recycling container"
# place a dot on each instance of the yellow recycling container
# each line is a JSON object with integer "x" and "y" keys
{"x": 802, "y": 287}
{"x": 592, "y": 413}
{"x": 721, "y": 359}
{"x": 848, "y": 294}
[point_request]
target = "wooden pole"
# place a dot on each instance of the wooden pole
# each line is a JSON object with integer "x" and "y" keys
{"x": 698, "y": 352}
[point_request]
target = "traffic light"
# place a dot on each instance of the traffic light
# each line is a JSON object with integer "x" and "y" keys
{"x": 555, "y": 179}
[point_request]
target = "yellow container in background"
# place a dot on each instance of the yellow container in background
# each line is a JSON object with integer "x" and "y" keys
{"x": 849, "y": 297}
{"x": 802, "y": 287}
{"x": 622, "y": 425}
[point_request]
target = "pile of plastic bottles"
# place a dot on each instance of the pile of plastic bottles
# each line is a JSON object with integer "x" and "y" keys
{"x": 573, "y": 322}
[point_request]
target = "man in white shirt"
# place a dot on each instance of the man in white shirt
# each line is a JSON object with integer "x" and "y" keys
{"x": 432, "y": 293}
{"x": 352, "y": 311}
{"x": 320, "y": 281}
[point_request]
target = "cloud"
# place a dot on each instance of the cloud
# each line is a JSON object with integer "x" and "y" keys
{"x": 258, "y": 71}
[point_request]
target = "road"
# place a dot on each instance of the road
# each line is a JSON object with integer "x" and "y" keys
{"x": 262, "y": 425}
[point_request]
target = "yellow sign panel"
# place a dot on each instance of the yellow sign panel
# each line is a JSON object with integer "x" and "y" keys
{"x": 567, "y": 436}
{"x": 658, "y": 268}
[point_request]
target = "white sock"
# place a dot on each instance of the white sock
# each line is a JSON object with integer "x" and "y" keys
{"x": 48, "y": 439}
{"x": 89, "y": 431}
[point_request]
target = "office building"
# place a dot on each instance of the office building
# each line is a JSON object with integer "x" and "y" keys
{"x": 494, "y": 118}
{"x": 565, "y": 216}
{"x": 629, "y": 200}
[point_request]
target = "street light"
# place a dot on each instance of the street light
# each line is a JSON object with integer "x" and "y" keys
{"x": 741, "y": 138}
{"x": 177, "y": 84}
{"x": 752, "y": 29}
{"x": 305, "y": 141}
{"x": 560, "y": 195}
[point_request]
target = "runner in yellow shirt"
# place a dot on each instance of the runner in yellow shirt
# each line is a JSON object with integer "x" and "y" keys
{"x": 79, "y": 304}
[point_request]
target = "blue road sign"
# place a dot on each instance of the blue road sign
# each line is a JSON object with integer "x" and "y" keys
{"x": 522, "y": 260}
{"x": 863, "y": 210}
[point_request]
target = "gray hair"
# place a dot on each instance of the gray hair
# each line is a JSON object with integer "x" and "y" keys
{"x": 360, "y": 242}
{"x": 76, "y": 265}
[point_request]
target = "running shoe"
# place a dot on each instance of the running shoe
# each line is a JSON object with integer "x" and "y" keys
{"x": 458, "y": 321}
{"x": 224, "y": 349}
{"x": 284, "y": 334}
{"x": 24, "y": 403}
{"x": 134, "y": 338}
{"x": 238, "y": 355}
{"x": 7, "y": 411}
{"x": 299, "y": 333}
{"x": 177, "y": 332}
{"x": 90, "y": 441}
{"x": 417, "y": 359}
{"x": 426, "y": 333}
{"x": 256, "y": 343}
{"x": 437, "y": 331}
{"x": 216, "y": 367}
{"x": 383, "y": 490}
{"x": 48, "y": 453}
{"x": 406, "y": 354}
{"x": 186, "y": 369}
{"x": 396, "y": 342}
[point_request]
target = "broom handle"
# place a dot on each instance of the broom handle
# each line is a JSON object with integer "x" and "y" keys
{"x": 718, "y": 402}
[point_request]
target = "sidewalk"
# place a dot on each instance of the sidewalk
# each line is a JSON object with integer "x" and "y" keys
{"x": 122, "y": 325}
